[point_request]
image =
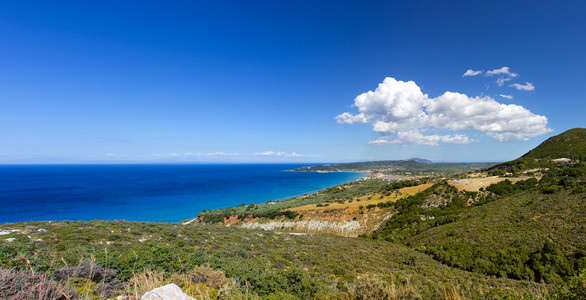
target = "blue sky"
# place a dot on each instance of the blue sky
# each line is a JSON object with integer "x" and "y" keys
{"x": 270, "y": 81}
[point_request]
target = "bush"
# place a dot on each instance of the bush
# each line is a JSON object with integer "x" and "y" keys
{"x": 574, "y": 289}
{"x": 85, "y": 269}
{"x": 107, "y": 285}
{"x": 506, "y": 187}
{"x": 25, "y": 284}
{"x": 276, "y": 213}
{"x": 208, "y": 276}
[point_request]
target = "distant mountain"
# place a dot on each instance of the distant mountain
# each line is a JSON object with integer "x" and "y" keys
{"x": 570, "y": 144}
{"x": 367, "y": 165}
{"x": 421, "y": 160}
{"x": 414, "y": 166}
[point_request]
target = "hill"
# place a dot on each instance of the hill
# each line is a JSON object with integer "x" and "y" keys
{"x": 533, "y": 229}
{"x": 506, "y": 236}
{"x": 570, "y": 144}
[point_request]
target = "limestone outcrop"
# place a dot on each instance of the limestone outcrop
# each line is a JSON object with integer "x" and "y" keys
{"x": 166, "y": 292}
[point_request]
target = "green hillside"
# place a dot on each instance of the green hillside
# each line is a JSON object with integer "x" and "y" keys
{"x": 509, "y": 237}
{"x": 570, "y": 144}
{"x": 216, "y": 262}
{"x": 532, "y": 230}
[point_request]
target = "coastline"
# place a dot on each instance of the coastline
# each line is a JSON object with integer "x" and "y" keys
{"x": 148, "y": 193}
{"x": 274, "y": 208}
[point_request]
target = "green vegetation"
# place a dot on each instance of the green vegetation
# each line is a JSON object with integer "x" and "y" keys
{"x": 505, "y": 188}
{"x": 570, "y": 144}
{"x": 413, "y": 216}
{"x": 102, "y": 258}
{"x": 532, "y": 230}
{"x": 395, "y": 185}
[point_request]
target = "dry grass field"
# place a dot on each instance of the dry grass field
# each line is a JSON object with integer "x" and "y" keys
{"x": 474, "y": 184}
{"x": 366, "y": 200}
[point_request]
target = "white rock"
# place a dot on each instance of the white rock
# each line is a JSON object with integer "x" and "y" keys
{"x": 311, "y": 225}
{"x": 166, "y": 292}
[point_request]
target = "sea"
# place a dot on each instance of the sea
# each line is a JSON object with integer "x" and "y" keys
{"x": 149, "y": 192}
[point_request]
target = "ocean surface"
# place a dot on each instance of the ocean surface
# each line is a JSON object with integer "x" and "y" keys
{"x": 151, "y": 193}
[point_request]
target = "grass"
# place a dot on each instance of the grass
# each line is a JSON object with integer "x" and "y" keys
{"x": 258, "y": 262}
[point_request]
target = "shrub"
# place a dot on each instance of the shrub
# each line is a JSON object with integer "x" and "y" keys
{"x": 575, "y": 288}
{"x": 105, "y": 279}
{"x": 25, "y": 284}
{"x": 208, "y": 276}
{"x": 85, "y": 269}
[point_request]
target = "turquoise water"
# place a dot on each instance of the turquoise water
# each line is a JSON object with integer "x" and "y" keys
{"x": 152, "y": 193}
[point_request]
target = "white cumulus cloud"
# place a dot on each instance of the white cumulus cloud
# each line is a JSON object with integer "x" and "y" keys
{"x": 524, "y": 87}
{"x": 471, "y": 72}
{"x": 506, "y": 71}
{"x": 401, "y": 113}
{"x": 348, "y": 118}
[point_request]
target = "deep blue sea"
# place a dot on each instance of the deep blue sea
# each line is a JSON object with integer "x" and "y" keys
{"x": 151, "y": 193}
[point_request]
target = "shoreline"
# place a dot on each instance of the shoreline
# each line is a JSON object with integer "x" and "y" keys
{"x": 325, "y": 188}
{"x": 366, "y": 175}
{"x": 282, "y": 206}
{"x": 98, "y": 195}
